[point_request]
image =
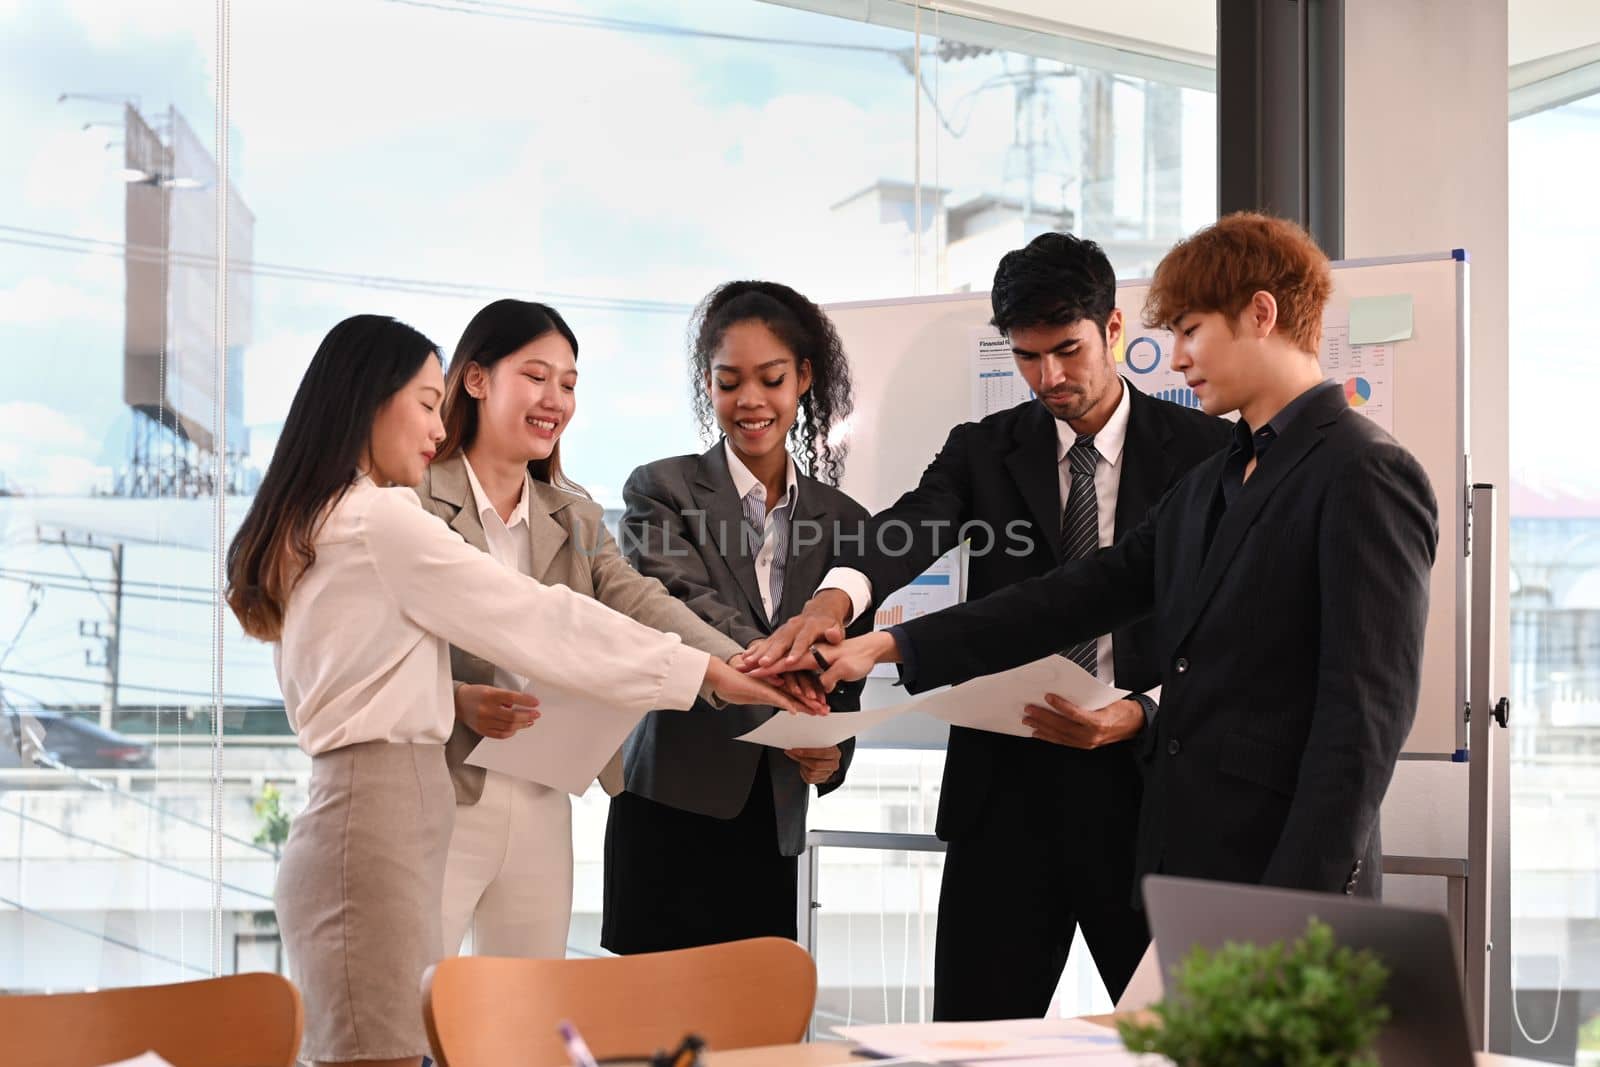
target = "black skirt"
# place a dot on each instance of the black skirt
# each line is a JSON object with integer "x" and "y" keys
{"x": 675, "y": 879}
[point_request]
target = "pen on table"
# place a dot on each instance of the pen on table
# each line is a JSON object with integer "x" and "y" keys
{"x": 577, "y": 1051}
{"x": 688, "y": 1052}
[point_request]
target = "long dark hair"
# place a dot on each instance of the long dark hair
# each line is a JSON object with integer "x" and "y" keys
{"x": 804, "y": 329}
{"x": 501, "y": 328}
{"x": 362, "y": 362}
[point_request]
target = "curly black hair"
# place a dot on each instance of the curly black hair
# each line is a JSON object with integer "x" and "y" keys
{"x": 804, "y": 329}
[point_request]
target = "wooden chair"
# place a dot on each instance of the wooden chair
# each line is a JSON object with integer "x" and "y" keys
{"x": 247, "y": 1020}
{"x": 487, "y": 1012}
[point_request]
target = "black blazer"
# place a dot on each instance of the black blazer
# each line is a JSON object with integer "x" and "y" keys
{"x": 1291, "y": 651}
{"x": 683, "y": 526}
{"x": 1002, "y": 472}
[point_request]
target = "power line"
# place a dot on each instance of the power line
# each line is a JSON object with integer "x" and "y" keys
{"x": 126, "y": 582}
{"x": 497, "y": 9}
{"x": 100, "y": 935}
{"x": 66, "y": 242}
{"x": 246, "y": 701}
{"x": 23, "y": 578}
{"x": 127, "y": 853}
{"x": 112, "y": 791}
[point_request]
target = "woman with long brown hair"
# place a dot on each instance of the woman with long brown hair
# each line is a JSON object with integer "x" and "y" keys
{"x": 497, "y": 481}
{"x": 362, "y": 593}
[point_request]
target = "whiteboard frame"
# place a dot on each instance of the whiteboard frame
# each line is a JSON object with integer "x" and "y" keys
{"x": 910, "y": 737}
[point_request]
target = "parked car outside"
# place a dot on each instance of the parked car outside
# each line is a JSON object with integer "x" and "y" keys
{"x": 70, "y": 740}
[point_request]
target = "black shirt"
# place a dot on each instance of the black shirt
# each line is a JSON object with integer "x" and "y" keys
{"x": 1248, "y": 445}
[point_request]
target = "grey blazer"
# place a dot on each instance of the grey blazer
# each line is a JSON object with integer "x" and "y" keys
{"x": 682, "y": 525}
{"x": 572, "y": 547}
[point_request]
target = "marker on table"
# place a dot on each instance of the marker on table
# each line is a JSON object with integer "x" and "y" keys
{"x": 577, "y": 1051}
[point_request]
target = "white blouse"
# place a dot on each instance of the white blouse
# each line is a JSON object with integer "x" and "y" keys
{"x": 365, "y": 651}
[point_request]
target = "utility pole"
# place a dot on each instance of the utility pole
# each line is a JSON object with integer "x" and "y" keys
{"x": 110, "y": 633}
{"x": 1097, "y": 132}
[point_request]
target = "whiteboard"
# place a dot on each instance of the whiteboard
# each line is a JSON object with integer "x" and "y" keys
{"x": 911, "y": 364}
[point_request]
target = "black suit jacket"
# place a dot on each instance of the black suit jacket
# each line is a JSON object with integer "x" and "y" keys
{"x": 684, "y": 525}
{"x": 1002, "y": 472}
{"x": 1291, "y": 651}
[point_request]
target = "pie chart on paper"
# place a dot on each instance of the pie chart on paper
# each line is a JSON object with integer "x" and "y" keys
{"x": 1358, "y": 391}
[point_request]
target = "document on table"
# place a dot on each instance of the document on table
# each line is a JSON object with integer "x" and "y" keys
{"x": 1072, "y": 1041}
{"x": 148, "y": 1059}
{"x": 993, "y": 702}
{"x": 567, "y": 747}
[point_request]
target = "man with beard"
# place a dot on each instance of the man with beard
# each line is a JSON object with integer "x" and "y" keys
{"x": 1040, "y": 831}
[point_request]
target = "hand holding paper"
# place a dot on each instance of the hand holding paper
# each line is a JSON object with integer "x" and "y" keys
{"x": 817, "y": 765}
{"x": 995, "y": 702}
{"x": 1061, "y": 722}
{"x": 493, "y": 712}
{"x": 575, "y": 737}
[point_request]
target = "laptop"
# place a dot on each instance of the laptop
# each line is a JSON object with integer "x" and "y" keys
{"x": 1427, "y": 1009}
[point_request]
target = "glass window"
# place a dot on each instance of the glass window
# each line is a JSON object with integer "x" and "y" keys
{"x": 615, "y": 159}
{"x": 108, "y": 855}
{"x": 1555, "y": 585}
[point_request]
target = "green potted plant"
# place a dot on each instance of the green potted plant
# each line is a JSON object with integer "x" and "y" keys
{"x": 273, "y": 831}
{"x": 1312, "y": 1004}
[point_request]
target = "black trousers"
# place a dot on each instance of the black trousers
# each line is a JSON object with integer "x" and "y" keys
{"x": 675, "y": 879}
{"x": 1047, "y": 855}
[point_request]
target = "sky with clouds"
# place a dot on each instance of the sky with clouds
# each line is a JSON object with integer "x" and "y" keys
{"x": 591, "y": 167}
{"x": 384, "y": 138}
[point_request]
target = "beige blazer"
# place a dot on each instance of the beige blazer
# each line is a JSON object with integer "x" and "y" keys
{"x": 572, "y": 547}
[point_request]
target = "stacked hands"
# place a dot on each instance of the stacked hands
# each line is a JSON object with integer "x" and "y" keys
{"x": 500, "y": 713}
{"x": 809, "y": 655}
{"x": 796, "y": 668}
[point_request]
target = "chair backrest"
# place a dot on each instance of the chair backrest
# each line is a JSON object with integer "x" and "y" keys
{"x": 246, "y": 1020}
{"x": 487, "y": 1012}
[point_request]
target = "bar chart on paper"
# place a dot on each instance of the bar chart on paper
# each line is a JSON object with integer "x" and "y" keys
{"x": 937, "y": 587}
{"x": 1182, "y": 396}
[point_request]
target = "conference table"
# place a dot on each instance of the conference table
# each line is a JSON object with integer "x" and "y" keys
{"x": 837, "y": 1054}
{"x": 841, "y": 1053}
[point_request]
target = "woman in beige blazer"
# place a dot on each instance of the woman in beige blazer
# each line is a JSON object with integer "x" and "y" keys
{"x": 362, "y": 594}
{"x": 498, "y": 483}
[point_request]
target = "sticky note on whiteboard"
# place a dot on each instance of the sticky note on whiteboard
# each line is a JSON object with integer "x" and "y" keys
{"x": 1376, "y": 320}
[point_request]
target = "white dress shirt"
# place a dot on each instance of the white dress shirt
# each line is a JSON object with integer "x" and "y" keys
{"x": 1107, "y": 477}
{"x": 773, "y": 522}
{"x": 508, "y": 544}
{"x": 365, "y": 651}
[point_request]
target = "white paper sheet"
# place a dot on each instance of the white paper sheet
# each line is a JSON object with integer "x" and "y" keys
{"x": 993, "y": 702}
{"x": 996, "y": 385}
{"x": 1366, "y": 373}
{"x": 1146, "y": 986}
{"x": 935, "y": 589}
{"x": 148, "y": 1059}
{"x": 567, "y": 747}
{"x": 784, "y": 730}
{"x": 1005, "y": 1039}
{"x": 1144, "y": 356}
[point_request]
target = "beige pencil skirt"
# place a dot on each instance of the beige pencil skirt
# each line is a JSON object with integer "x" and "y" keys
{"x": 358, "y": 897}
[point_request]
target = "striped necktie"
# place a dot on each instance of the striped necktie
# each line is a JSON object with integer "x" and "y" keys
{"x": 1080, "y": 528}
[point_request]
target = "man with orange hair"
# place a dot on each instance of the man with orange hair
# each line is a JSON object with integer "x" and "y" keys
{"x": 1287, "y": 577}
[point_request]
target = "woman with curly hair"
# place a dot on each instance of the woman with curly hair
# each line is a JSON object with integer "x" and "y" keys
{"x": 701, "y": 845}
